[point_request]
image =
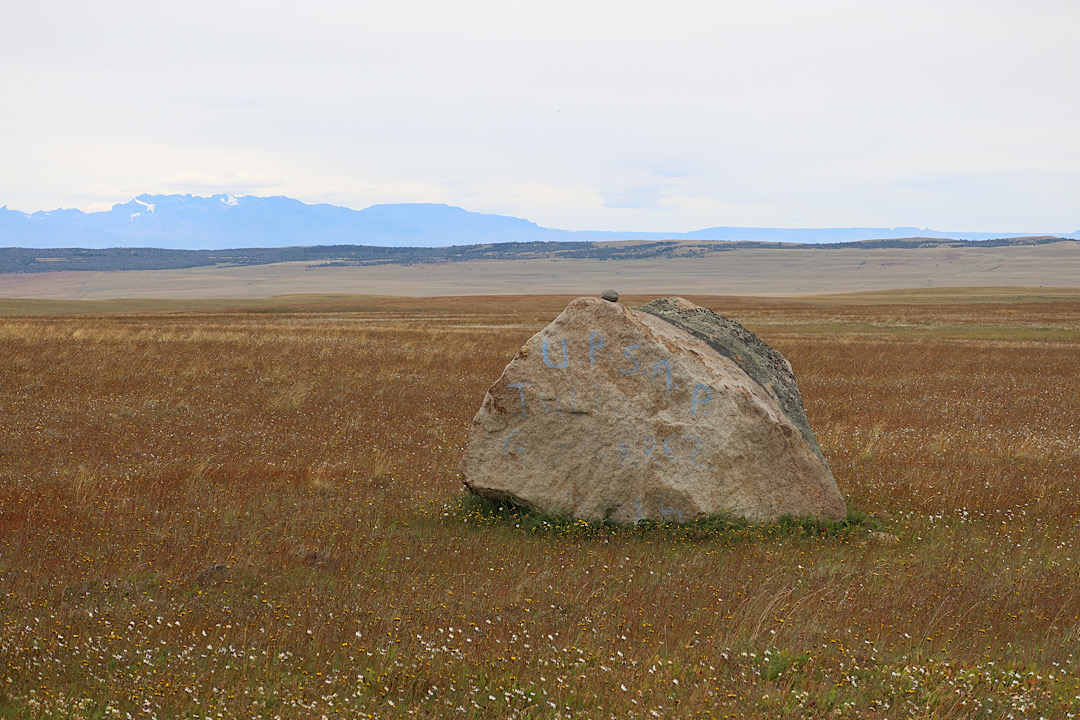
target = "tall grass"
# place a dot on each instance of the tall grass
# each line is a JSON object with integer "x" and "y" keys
{"x": 258, "y": 514}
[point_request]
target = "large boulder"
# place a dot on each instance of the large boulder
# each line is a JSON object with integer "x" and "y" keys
{"x": 665, "y": 412}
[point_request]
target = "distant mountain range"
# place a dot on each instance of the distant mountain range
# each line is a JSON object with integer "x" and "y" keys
{"x": 225, "y": 221}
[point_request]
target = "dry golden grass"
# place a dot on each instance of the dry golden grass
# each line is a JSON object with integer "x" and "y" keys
{"x": 254, "y": 512}
{"x": 747, "y": 271}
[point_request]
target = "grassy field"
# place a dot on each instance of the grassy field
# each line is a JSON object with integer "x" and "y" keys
{"x": 740, "y": 272}
{"x": 254, "y": 510}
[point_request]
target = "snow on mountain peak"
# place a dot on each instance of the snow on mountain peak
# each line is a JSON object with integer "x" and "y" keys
{"x": 230, "y": 200}
{"x": 149, "y": 206}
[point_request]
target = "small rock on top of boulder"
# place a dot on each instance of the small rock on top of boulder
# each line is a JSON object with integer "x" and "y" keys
{"x": 666, "y": 412}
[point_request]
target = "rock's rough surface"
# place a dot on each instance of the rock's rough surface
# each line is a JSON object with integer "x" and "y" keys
{"x": 766, "y": 366}
{"x": 622, "y": 414}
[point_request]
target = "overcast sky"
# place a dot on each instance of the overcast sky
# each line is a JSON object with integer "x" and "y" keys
{"x": 583, "y": 114}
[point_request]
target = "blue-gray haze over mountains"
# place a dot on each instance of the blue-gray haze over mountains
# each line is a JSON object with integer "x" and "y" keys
{"x": 224, "y": 221}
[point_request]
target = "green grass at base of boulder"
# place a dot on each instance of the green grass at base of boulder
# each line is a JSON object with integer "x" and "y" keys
{"x": 722, "y": 527}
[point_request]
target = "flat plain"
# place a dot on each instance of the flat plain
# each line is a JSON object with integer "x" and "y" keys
{"x": 252, "y": 509}
{"x": 743, "y": 271}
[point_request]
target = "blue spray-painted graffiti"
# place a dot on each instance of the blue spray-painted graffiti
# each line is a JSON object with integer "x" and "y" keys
{"x": 695, "y": 451}
{"x": 669, "y": 452}
{"x": 669, "y": 512}
{"x": 661, "y": 369}
{"x": 631, "y": 358}
{"x": 558, "y": 399}
{"x": 698, "y": 399}
{"x": 547, "y": 360}
{"x": 661, "y": 363}
{"x": 519, "y": 451}
{"x": 648, "y": 444}
{"x": 521, "y": 395}
{"x": 596, "y": 342}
